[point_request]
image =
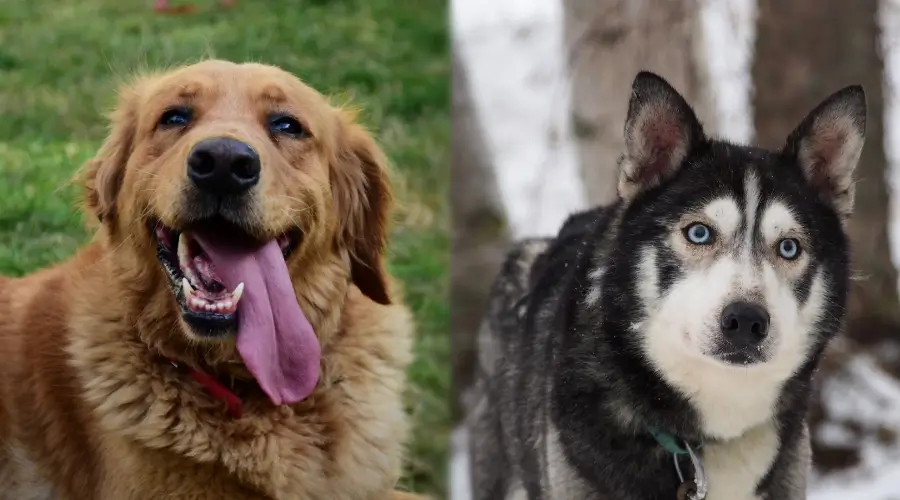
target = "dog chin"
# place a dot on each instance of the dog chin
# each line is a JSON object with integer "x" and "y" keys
{"x": 206, "y": 327}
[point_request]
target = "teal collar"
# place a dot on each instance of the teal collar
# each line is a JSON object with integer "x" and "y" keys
{"x": 668, "y": 441}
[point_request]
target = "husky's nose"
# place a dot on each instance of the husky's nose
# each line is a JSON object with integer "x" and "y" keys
{"x": 223, "y": 166}
{"x": 744, "y": 323}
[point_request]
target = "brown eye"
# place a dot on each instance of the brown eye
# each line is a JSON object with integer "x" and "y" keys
{"x": 287, "y": 125}
{"x": 176, "y": 117}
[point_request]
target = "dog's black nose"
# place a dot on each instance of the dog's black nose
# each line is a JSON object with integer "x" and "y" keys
{"x": 223, "y": 166}
{"x": 744, "y": 323}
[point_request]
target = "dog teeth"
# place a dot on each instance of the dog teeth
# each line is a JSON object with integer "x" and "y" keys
{"x": 184, "y": 261}
{"x": 237, "y": 293}
{"x": 223, "y": 306}
{"x": 196, "y": 302}
{"x": 184, "y": 256}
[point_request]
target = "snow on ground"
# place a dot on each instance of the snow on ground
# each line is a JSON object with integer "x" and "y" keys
{"x": 459, "y": 465}
{"x": 862, "y": 401}
{"x": 513, "y": 50}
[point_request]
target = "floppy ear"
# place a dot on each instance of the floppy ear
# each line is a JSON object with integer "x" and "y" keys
{"x": 101, "y": 176}
{"x": 660, "y": 131}
{"x": 361, "y": 188}
{"x": 828, "y": 143}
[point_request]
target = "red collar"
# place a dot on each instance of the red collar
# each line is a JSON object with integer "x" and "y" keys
{"x": 215, "y": 389}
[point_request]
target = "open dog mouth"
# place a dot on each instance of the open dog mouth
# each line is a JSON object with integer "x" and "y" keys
{"x": 206, "y": 303}
{"x": 226, "y": 282}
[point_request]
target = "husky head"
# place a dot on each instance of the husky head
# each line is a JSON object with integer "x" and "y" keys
{"x": 736, "y": 256}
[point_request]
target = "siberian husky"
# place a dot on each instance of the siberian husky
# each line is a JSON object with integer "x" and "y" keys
{"x": 663, "y": 346}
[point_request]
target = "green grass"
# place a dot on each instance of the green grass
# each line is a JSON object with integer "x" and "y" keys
{"x": 60, "y": 61}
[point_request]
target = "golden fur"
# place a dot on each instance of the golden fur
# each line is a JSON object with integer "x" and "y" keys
{"x": 90, "y": 409}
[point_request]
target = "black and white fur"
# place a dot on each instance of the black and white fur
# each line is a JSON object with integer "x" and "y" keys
{"x": 633, "y": 315}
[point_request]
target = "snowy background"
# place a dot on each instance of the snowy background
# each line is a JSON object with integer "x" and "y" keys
{"x": 520, "y": 88}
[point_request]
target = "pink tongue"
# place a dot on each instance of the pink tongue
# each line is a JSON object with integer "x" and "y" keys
{"x": 274, "y": 338}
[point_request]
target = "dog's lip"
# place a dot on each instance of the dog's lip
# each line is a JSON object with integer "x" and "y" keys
{"x": 737, "y": 358}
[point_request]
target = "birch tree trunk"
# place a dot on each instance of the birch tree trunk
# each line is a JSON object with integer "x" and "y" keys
{"x": 479, "y": 239}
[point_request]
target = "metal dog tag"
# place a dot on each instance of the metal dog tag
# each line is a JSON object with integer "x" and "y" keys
{"x": 691, "y": 489}
{"x": 686, "y": 491}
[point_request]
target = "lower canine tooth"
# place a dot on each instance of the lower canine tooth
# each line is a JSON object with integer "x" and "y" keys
{"x": 237, "y": 293}
{"x": 187, "y": 288}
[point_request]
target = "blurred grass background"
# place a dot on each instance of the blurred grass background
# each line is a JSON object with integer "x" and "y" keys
{"x": 60, "y": 62}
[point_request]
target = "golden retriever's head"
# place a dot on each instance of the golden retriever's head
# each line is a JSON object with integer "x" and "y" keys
{"x": 238, "y": 179}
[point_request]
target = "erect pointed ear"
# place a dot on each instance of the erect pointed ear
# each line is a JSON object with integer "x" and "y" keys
{"x": 660, "y": 131}
{"x": 101, "y": 176}
{"x": 827, "y": 145}
{"x": 362, "y": 193}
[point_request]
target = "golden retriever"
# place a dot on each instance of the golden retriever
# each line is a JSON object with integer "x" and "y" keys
{"x": 230, "y": 332}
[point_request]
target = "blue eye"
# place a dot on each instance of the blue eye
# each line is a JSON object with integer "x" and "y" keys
{"x": 287, "y": 125}
{"x": 176, "y": 117}
{"x": 789, "y": 248}
{"x": 699, "y": 234}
